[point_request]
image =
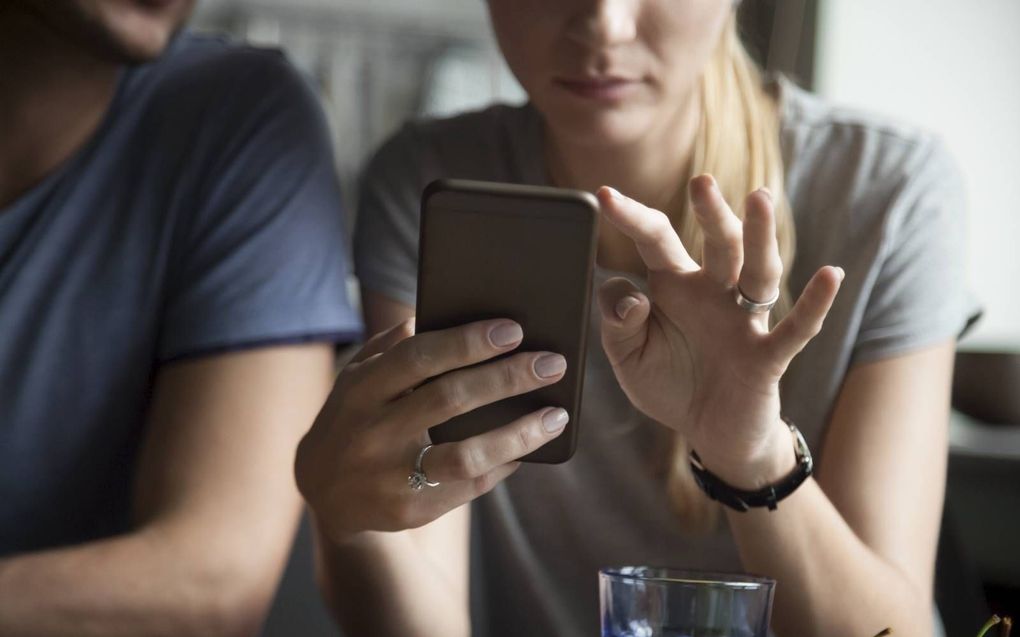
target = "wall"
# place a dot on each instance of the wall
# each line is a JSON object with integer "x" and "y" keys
{"x": 952, "y": 67}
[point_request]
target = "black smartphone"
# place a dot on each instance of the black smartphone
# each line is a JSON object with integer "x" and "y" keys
{"x": 527, "y": 253}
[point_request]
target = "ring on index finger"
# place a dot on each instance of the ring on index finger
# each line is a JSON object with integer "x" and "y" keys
{"x": 751, "y": 306}
{"x": 418, "y": 480}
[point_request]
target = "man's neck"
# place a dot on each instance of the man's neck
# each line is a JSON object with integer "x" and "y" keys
{"x": 653, "y": 170}
{"x": 53, "y": 95}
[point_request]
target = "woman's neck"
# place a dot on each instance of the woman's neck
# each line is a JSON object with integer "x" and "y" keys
{"x": 653, "y": 170}
{"x": 650, "y": 169}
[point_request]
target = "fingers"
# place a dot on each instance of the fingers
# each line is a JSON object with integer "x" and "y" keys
{"x": 763, "y": 267}
{"x": 413, "y": 361}
{"x": 470, "y": 468}
{"x": 384, "y": 340}
{"x": 805, "y": 320}
{"x": 624, "y": 318}
{"x": 430, "y": 504}
{"x": 480, "y": 455}
{"x": 650, "y": 230}
{"x": 461, "y": 391}
{"x": 723, "y": 251}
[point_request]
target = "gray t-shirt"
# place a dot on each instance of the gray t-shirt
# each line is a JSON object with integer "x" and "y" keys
{"x": 883, "y": 202}
{"x": 202, "y": 216}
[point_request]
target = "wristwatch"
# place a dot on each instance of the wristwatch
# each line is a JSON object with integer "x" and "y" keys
{"x": 769, "y": 496}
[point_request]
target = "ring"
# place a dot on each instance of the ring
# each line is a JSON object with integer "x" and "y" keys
{"x": 417, "y": 480}
{"x": 754, "y": 307}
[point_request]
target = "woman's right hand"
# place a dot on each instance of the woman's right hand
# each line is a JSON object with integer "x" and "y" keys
{"x": 352, "y": 466}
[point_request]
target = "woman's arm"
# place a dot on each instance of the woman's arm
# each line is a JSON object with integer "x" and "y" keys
{"x": 394, "y": 560}
{"x": 412, "y": 582}
{"x": 854, "y": 551}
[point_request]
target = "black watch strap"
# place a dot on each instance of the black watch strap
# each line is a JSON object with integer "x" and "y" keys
{"x": 765, "y": 497}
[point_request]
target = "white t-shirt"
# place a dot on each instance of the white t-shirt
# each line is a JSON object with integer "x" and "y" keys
{"x": 883, "y": 201}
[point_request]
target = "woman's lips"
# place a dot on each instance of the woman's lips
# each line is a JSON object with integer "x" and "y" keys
{"x": 602, "y": 88}
{"x": 157, "y": 4}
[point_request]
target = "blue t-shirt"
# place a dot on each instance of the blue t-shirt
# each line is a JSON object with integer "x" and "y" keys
{"x": 202, "y": 216}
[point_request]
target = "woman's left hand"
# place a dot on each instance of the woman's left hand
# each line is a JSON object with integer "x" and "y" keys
{"x": 690, "y": 357}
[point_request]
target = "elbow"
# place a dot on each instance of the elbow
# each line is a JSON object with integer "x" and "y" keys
{"x": 225, "y": 602}
{"x": 234, "y": 615}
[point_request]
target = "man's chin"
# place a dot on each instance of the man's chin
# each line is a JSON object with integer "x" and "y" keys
{"x": 115, "y": 32}
{"x": 133, "y": 39}
{"x": 133, "y": 49}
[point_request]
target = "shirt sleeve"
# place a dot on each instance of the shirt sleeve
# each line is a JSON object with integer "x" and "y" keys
{"x": 920, "y": 296}
{"x": 388, "y": 220}
{"x": 263, "y": 258}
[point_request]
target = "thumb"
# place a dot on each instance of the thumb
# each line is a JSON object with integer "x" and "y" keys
{"x": 625, "y": 312}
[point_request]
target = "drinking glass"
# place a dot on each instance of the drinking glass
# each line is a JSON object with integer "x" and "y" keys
{"x": 645, "y": 601}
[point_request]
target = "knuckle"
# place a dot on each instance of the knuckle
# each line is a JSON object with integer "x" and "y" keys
{"x": 466, "y": 463}
{"x": 814, "y": 329}
{"x": 420, "y": 359}
{"x": 526, "y": 440}
{"x": 772, "y": 270}
{"x": 509, "y": 373}
{"x": 661, "y": 227}
{"x": 404, "y": 514}
{"x": 731, "y": 234}
{"x": 463, "y": 341}
{"x": 484, "y": 483}
{"x": 449, "y": 398}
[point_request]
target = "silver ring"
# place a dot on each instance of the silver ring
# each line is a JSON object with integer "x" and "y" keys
{"x": 418, "y": 480}
{"x": 754, "y": 307}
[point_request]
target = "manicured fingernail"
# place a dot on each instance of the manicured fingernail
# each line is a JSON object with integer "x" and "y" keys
{"x": 555, "y": 419}
{"x": 550, "y": 365}
{"x": 765, "y": 191}
{"x": 841, "y": 273}
{"x": 506, "y": 334}
{"x": 614, "y": 193}
{"x": 625, "y": 305}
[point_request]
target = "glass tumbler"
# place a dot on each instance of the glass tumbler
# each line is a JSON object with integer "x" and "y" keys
{"x": 645, "y": 601}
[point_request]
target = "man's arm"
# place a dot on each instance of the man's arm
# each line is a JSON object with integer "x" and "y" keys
{"x": 215, "y": 509}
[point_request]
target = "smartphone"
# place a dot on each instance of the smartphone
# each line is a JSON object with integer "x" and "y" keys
{"x": 527, "y": 253}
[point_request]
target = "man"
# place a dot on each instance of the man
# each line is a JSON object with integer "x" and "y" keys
{"x": 171, "y": 288}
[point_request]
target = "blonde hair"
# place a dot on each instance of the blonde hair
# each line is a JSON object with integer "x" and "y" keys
{"x": 738, "y": 143}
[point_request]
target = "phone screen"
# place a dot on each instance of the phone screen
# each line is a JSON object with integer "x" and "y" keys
{"x": 524, "y": 253}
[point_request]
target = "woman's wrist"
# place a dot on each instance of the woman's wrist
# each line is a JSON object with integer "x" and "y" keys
{"x": 749, "y": 469}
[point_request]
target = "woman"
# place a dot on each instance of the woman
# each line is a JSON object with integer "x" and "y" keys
{"x": 640, "y": 95}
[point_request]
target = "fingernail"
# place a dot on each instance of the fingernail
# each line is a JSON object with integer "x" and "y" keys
{"x": 625, "y": 305}
{"x": 555, "y": 419}
{"x": 614, "y": 193}
{"x": 841, "y": 273}
{"x": 712, "y": 183}
{"x": 765, "y": 191}
{"x": 550, "y": 365}
{"x": 506, "y": 334}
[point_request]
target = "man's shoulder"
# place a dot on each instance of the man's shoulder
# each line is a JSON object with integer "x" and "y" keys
{"x": 215, "y": 74}
{"x": 212, "y": 58}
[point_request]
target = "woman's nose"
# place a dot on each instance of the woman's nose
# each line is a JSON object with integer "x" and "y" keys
{"x": 605, "y": 23}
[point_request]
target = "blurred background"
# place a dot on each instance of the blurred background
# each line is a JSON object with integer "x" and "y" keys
{"x": 952, "y": 67}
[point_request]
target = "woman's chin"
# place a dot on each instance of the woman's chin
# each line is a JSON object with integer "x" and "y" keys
{"x": 606, "y": 129}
